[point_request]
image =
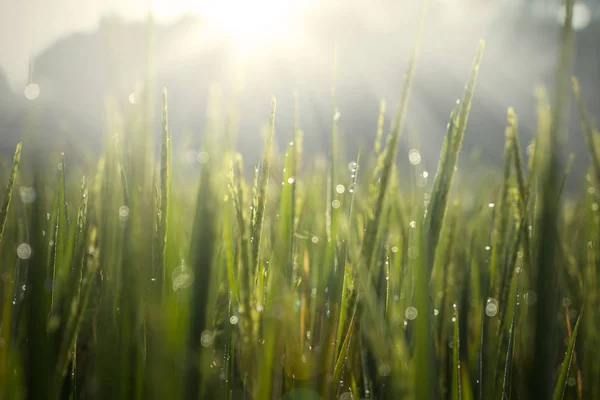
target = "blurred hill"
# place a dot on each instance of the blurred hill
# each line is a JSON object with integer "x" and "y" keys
{"x": 80, "y": 72}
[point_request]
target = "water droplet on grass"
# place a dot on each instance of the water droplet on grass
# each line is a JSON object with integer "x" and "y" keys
{"x": 414, "y": 157}
{"x": 182, "y": 277}
{"x": 384, "y": 369}
{"x": 124, "y": 213}
{"x": 491, "y": 308}
{"x": 411, "y": 313}
{"x": 24, "y": 251}
{"x": 203, "y": 157}
{"x": 27, "y": 194}
{"x": 32, "y": 91}
{"x": 206, "y": 339}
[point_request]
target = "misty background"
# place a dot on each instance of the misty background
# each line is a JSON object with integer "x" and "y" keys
{"x": 79, "y": 53}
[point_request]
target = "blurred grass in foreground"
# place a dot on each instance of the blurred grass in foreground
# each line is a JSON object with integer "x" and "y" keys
{"x": 344, "y": 279}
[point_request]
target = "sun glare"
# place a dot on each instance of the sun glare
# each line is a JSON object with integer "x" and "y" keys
{"x": 251, "y": 24}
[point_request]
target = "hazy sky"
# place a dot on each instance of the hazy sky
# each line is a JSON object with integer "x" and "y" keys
{"x": 29, "y": 26}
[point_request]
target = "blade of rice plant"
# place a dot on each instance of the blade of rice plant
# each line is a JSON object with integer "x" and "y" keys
{"x": 511, "y": 344}
{"x": 244, "y": 267}
{"x": 344, "y": 349}
{"x": 330, "y": 211}
{"x": 39, "y": 355}
{"x": 391, "y": 149}
{"x": 456, "y": 389}
{"x": 561, "y": 384}
{"x": 201, "y": 254}
{"x": 570, "y": 332}
{"x": 9, "y": 188}
{"x": 566, "y": 174}
{"x": 588, "y": 130}
{"x": 429, "y": 236}
{"x": 449, "y": 157}
{"x": 541, "y": 371}
{"x": 497, "y": 277}
{"x": 165, "y": 187}
{"x": 260, "y": 192}
{"x": 380, "y": 125}
{"x": 62, "y": 234}
{"x": 286, "y": 216}
{"x": 78, "y": 307}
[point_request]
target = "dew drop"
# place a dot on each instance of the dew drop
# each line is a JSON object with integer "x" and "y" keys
{"x": 202, "y": 157}
{"x": 411, "y": 313}
{"x": 32, "y": 91}
{"x": 491, "y": 308}
{"x": 124, "y": 213}
{"x": 414, "y": 157}
{"x": 24, "y": 251}
{"x": 28, "y": 194}
{"x": 206, "y": 339}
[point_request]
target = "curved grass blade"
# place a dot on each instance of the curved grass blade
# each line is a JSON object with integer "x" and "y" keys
{"x": 429, "y": 237}
{"x": 9, "y": 188}
{"x": 391, "y": 149}
{"x": 561, "y": 384}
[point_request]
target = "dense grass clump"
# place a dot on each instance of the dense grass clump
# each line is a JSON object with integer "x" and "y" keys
{"x": 343, "y": 278}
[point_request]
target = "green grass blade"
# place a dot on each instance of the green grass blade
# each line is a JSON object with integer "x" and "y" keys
{"x": 9, "y": 188}
{"x": 588, "y": 130}
{"x": 201, "y": 256}
{"x": 547, "y": 224}
{"x": 511, "y": 344}
{"x": 456, "y": 388}
{"x": 561, "y": 384}
{"x": 165, "y": 185}
{"x": 260, "y": 192}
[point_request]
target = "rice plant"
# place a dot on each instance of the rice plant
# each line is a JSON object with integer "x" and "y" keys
{"x": 316, "y": 280}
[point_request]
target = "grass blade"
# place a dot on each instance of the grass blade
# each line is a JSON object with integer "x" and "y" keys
{"x": 9, "y": 188}
{"x": 561, "y": 384}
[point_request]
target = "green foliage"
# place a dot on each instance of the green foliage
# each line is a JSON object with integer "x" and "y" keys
{"x": 335, "y": 279}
